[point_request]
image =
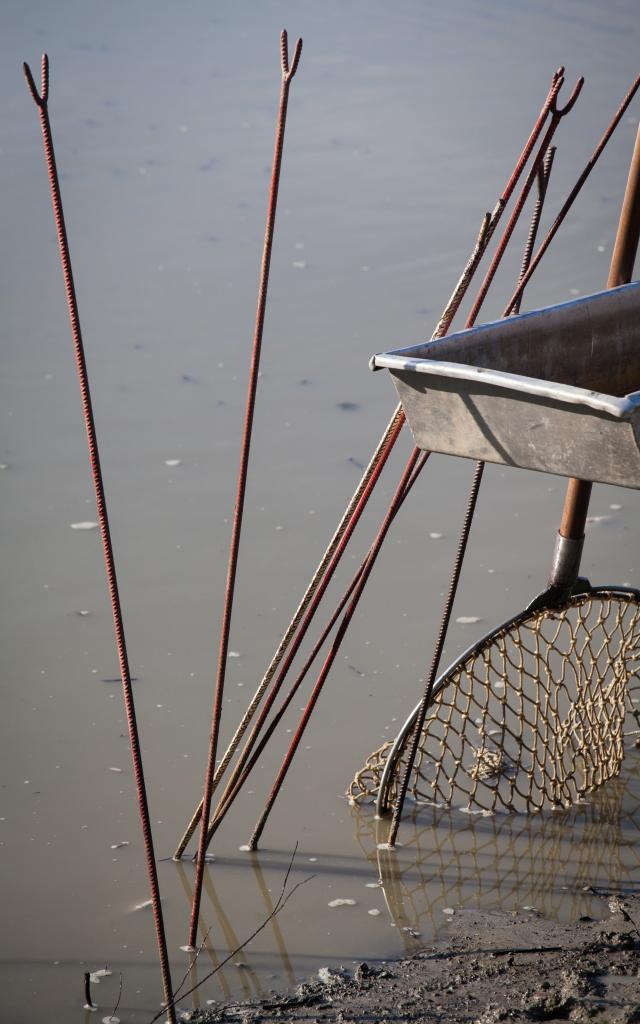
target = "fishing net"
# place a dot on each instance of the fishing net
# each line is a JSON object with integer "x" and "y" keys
{"x": 535, "y": 715}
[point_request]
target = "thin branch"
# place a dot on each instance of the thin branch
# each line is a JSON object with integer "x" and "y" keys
{"x": 177, "y": 991}
{"x": 279, "y": 905}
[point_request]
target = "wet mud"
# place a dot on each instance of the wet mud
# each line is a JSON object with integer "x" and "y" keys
{"x": 493, "y": 966}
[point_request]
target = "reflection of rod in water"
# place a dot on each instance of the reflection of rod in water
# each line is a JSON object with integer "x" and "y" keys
{"x": 277, "y": 931}
{"x": 208, "y": 945}
{"x": 390, "y": 876}
{"x": 231, "y": 938}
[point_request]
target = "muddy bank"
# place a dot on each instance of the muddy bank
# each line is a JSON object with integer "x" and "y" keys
{"x": 492, "y": 967}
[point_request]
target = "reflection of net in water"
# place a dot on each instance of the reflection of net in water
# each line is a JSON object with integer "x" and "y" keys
{"x": 533, "y": 716}
{"x": 507, "y": 862}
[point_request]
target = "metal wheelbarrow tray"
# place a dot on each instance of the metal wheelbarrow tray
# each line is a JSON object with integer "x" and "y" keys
{"x": 555, "y": 390}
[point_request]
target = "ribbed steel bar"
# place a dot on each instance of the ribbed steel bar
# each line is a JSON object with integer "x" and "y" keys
{"x": 556, "y": 116}
{"x": 327, "y": 563}
{"x": 488, "y": 227}
{"x": 246, "y": 763}
{"x": 544, "y": 173}
{"x": 42, "y": 102}
{"x": 287, "y": 74}
{"x": 311, "y": 598}
{"x": 335, "y": 647}
{"x": 437, "y": 653}
{"x": 593, "y": 159}
{"x": 489, "y": 224}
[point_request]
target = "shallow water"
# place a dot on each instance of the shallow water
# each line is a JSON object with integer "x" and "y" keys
{"x": 404, "y": 124}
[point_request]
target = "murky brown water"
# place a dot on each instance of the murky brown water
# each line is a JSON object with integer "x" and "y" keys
{"x": 404, "y": 124}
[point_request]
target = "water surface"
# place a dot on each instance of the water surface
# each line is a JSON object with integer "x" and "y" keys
{"x": 404, "y": 124}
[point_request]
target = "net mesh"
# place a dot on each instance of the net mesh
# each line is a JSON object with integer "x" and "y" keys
{"x": 534, "y": 716}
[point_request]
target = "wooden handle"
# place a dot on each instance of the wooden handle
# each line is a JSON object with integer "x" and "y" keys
{"x": 576, "y": 503}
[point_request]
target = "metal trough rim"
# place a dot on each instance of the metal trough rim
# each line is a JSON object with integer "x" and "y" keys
{"x": 618, "y": 407}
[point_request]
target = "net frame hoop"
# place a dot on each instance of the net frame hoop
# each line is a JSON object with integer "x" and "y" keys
{"x": 545, "y": 602}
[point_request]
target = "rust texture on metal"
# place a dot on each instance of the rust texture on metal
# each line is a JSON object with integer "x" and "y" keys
{"x": 300, "y": 620}
{"x": 542, "y": 182}
{"x": 41, "y": 99}
{"x": 396, "y": 502}
{"x": 437, "y": 653}
{"x": 287, "y": 74}
{"x": 247, "y": 763}
{"x": 569, "y": 201}
{"x": 557, "y": 113}
{"x": 487, "y": 228}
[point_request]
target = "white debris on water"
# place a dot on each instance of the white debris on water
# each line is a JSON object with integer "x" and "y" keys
{"x": 87, "y": 525}
{"x": 115, "y": 770}
{"x": 435, "y": 536}
{"x": 144, "y": 905}
{"x": 373, "y": 885}
{"x": 111, "y": 1020}
{"x": 299, "y": 264}
{"x": 118, "y": 846}
{"x": 188, "y": 949}
{"x": 449, "y": 911}
{"x": 468, "y": 620}
{"x": 245, "y": 848}
{"x": 341, "y": 903}
{"x": 233, "y": 654}
{"x": 375, "y": 912}
{"x": 615, "y": 508}
{"x": 173, "y": 462}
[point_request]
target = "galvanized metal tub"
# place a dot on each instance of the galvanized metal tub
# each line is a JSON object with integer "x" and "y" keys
{"x": 555, "y": 390}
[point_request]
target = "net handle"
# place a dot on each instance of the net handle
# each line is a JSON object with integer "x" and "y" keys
{"x": 576, "y": 505}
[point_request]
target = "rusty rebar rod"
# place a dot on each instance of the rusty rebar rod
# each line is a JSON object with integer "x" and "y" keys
{"x": 568, "y": 203}
{"x": 247, "y": 763}
{"x": 536, "y": 168}
{"x": 544, "y": 173}
{"x": 437, "y": 653}
{"x": 287, "y": 74}
{"x": 489, "y": 223}
{"x": 556, "y": 116}
{"x": 41, "y": 99}
{"x": 335, "y": 647}
{"x": 328, "y": 562}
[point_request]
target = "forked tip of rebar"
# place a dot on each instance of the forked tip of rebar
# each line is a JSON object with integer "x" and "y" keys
{"x": 289, "y": 71}
{"x": 40, "y": 98}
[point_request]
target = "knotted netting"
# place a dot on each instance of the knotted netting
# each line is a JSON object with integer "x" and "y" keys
{"x": 535, "y": 715}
